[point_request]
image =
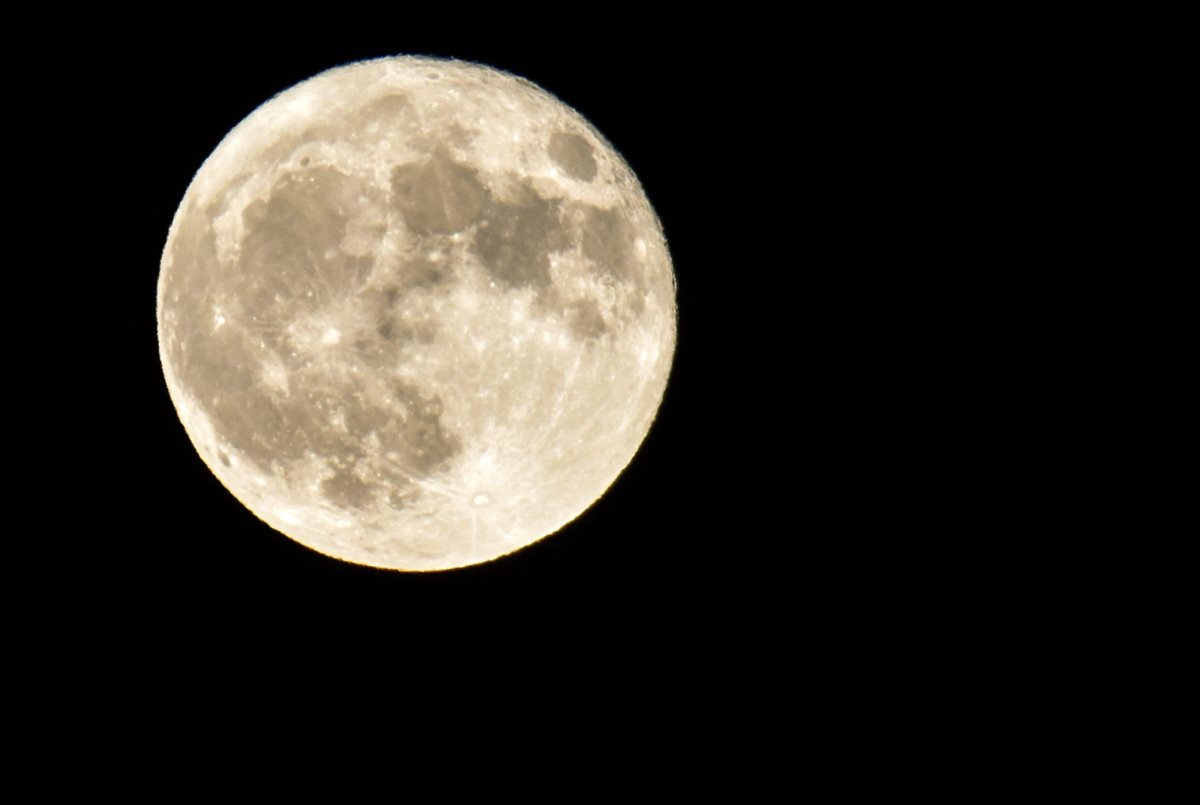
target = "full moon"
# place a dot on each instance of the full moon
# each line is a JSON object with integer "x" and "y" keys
{"x": 416, "y": 314}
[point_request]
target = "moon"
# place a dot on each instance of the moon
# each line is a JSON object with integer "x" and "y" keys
{"x": 416, "y": 314}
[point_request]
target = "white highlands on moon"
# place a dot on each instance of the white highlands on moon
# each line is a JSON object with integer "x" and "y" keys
{"x": 416, "y": 314}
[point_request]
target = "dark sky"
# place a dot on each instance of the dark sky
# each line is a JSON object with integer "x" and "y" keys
{"x": 791, "y": 525}
{"x": 664, "y": 577}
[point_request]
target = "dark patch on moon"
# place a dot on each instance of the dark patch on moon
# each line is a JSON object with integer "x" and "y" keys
{"x": 573, "y": 154}
{"x": 334, "y": 424}
{"x": 400, "y": 491}
{"x": 363, "y": 419}
{"x": 386, "y": 329}
{"x": 379, "y": 338}
{"x": 418, "y": 435}
{"x": 384, "y": 333}
{"x": 514, "y": 240}
{"x": 269, "y": 429}
{"x": 290, "y": 264}
{"x": 383, "y": 115}
{"x": 421, "y": 273}
{"x": 437, "y": 195}
{"x": 347, "y": 490}
{"x": 607, "y": 240}
{"x": 291, "y": 252}
{"x": 371, "y": 303}
{"x": 585, "y": 319}
{"x": 261, "y": 427}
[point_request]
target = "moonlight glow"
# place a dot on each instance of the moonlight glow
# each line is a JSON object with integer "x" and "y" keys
{"x": 416, "y": 314}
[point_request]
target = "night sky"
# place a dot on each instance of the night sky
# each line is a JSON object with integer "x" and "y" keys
{"x": 802, "y": 529}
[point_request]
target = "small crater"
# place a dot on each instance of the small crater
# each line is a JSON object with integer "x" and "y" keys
{"x": 224, "y": 458}
{"x": 573, "y": 154}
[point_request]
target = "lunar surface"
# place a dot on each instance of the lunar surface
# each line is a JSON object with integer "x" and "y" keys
{"x": 416, "y": 314}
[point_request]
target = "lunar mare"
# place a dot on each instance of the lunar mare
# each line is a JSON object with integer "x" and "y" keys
{"x": 416, "y": 314}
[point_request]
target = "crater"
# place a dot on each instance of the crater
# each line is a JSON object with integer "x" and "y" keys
{"x": 573, "y": 154}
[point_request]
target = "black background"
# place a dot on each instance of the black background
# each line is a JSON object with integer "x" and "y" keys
{"x": 680, "y": 587}
{"x": 856, "y": 518}
{"x": 790, "y": 535}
